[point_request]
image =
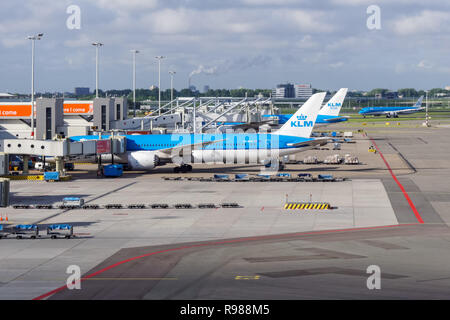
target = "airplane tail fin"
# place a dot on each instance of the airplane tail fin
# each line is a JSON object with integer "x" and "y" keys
{"x": 419, "y": 102}
{"x": 334, "y": 105}
{"x": 302, "y": 122}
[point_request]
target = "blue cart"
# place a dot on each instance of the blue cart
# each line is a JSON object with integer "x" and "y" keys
{"x": 26, "y": 230}
{"x": 113, "y": 170}
{"x": 60, "y": 230}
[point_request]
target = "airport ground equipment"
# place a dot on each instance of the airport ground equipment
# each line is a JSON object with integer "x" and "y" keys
{"x": 113, "y": 206}
{"x": 136, "y": 206}
{"x": 325, "y": 177}
{"x": 113, "y": 170}
{"x": 74, "y": 202}
{"x": 333, "y": 159}
{"x": 43, "y": 206}
{"x": 348, "y": 134}
{"x": 183, "y": 206}
{"x": 26, "y": 230}
{"x": 305, "y": 176}
{"x": 3, "y": 231}
{"x": 372, "y": 149}
{"x": 207, "y": 206}
{"x": 230, "y": 205}
{"x": 51, "y": 176}
{"x": 60, "y": 230}
{"x": 348, "y": 159}
{"x": 241, "y": 177}
{"x": 310, "y": 160}
{"x": 262, "y": 177}
{"x": 91, "y": 206}
{"x": 221, "y": 177}
{"x": 159, "y": 206}
{"x": 337, "y": 146}
{"x": 307, "y": 206}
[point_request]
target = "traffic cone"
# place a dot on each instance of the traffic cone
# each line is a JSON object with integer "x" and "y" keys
{"x": 1, "y": 218}
{"x": 6, "y": 218}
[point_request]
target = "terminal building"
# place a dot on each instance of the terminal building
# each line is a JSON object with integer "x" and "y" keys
{"x": 56, "y": 116}
{"x": 284, "y": 91}
{"x": 291, "y": 91}
{"x": 303, "y": 91}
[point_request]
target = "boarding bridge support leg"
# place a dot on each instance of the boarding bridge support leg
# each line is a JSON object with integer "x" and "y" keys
{"x": 26, "y": 158}
{"x": 59, "y": 165}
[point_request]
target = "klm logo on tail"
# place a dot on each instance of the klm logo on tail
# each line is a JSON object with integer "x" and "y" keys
{"x": 301, "y": 122}
{"x": 334, "y": 105}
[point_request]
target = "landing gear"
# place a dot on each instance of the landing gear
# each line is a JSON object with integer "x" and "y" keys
{"x": 270, "y": 166}
{"x": 183, "y": 168}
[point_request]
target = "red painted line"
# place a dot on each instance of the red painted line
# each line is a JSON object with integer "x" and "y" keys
{"x": 411, "y": 204}
{"x": 312, "y": 233}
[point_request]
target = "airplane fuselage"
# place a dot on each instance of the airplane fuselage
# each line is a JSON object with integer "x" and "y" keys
{"x": 229, "y": 148}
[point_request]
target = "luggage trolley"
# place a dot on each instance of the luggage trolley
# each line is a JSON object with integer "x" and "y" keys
{"x": 3, "y": 232}
{"x": 73, "y": 202}
{"x": 60, "y": 230}
{"x": 26, "y": 230}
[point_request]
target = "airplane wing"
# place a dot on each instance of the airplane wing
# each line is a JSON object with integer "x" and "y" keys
{"x": 180, "y": 150}
{"x": 314, "y": 142}
{"x": 251, "y": 125}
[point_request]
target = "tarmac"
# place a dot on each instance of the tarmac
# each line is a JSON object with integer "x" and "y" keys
{"x": 256, "y": 251}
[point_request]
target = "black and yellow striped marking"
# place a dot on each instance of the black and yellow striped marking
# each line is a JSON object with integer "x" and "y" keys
{"x": 307, "y": 206}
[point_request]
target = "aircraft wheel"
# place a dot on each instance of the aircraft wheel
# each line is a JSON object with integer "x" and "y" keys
{"x": 189, "y": 167}
{"x": 176, "y": 169}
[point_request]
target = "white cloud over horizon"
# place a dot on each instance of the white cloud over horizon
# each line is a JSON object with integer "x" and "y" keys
{"x": 256, "y": 43}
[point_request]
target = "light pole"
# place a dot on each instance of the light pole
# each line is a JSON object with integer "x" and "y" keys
{"x": 159, "y": 58}
{"x": 134, "y": 81}
{"x": 171, "y": 86}
{"x": 33, "y": 38}
{"x": 426, "y": 109}
{"x": 97, "y": 45}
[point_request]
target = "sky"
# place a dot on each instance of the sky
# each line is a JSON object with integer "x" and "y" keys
{"x": 226, "y": 44}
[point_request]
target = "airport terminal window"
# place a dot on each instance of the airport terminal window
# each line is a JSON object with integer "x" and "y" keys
{"x": 48, "y": 123}
{"x": 118, "y": 112}
{"x": 103, "y": 117}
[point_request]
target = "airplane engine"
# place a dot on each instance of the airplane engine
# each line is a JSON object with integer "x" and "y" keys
{"x": 392, "y": 115}
{"x": 142, "y": 160}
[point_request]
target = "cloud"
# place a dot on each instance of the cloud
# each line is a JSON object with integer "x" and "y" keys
{"x": 125, "y": 5}
{"x": 306, "y": 20}
{"x": 425, "y": 22}
{"x": 425, "y": 64}
{"x": 336, "y": 65}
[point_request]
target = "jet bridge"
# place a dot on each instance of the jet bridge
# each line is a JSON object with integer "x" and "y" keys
{"x": 60, "y": 150}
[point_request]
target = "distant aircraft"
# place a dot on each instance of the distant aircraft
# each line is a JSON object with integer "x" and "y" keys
{"x": 6, "y": 95}
{"x": 327, "y": 115}
{"x": 391, "y": 112}
{"x": 145, "y": 152}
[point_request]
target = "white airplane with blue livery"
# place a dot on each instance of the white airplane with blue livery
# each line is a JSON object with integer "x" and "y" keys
{"x": 145, "y": 152}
